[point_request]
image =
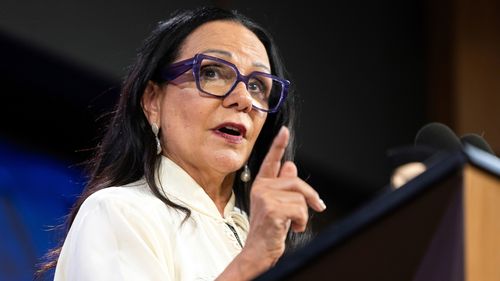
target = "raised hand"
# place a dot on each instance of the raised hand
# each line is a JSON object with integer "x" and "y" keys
{"x": 279, "y": 200}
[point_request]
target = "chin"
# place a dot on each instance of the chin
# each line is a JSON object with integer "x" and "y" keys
{"x": 229, "y": 162}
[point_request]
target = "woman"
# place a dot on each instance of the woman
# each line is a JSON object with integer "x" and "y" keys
{"x": 171, "y": 186}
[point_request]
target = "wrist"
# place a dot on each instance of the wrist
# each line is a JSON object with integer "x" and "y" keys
{"x": 247, "y": 265}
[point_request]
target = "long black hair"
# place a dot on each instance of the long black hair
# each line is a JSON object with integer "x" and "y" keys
{"x": 127, "y": 152}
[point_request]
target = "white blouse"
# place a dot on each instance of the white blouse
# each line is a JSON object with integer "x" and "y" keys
{"x": 126, "y": 233}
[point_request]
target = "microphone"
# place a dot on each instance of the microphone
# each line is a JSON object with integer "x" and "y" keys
{"x": 433, "y": 138}
{"x": 477, "y": 141}
{"x": 438, "y": 137}
{"x": 409, "y": 162}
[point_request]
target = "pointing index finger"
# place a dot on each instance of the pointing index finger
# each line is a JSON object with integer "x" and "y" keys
{"x": 272, "y": 162}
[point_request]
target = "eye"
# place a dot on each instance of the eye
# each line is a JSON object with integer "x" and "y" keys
{"x": 258, "y": 89}
{"x": 255, "y": 86}
{"x": 216, "y": 72}
{"x": 210, "y": 72}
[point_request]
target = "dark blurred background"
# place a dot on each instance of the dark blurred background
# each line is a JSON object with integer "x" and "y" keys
{"x": 369, "y": 75}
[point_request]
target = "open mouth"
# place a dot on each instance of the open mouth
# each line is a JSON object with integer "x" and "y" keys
{"x": 232, "y": 131}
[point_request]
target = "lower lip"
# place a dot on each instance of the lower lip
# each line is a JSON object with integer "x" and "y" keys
{"x": 229, "y": 138}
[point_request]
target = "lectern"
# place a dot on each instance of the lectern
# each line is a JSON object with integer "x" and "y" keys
{"x": 442, "y": 225}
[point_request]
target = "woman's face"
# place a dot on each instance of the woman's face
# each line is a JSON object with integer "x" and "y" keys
{"x": 195, "y": 128}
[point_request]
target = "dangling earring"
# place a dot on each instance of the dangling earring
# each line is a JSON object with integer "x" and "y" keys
{"x": 245, "y": 176}
{"x": 156, "y": 130}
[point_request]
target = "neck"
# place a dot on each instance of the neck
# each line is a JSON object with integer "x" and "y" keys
{"x": 218, "y": 186}
{"x": 220, "y": 193}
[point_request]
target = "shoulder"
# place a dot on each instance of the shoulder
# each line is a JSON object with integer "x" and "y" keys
{"x": 123, "y": 225}
{"x": 134, "y": 194}
{"x": 112, "y": 212}
{"x": 127, "y": 202}
{"x": 132, "y": 203}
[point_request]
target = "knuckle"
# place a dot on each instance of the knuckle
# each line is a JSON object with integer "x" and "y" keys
{"x": 305, "y": 212}
{"x": 302, "y": 213}
{"x": 267, "y": 209}
{"x": 300, "y": 227}
{"x": 302, "y": 200}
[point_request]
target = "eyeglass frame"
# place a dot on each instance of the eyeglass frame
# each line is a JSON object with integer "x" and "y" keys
{"x": 173, "y": 71}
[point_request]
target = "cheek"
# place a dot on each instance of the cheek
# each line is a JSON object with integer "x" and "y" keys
{"x": 182, "y": 112}
{"x": 174, "y": 121}
{"x": 258, "y": 122}
{"x": 174, "y": 116}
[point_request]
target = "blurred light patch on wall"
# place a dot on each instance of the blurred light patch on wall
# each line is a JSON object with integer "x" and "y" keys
{"x": 36, "y": 192}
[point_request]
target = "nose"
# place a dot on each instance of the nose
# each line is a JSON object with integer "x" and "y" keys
{"x": 239, "y": 98}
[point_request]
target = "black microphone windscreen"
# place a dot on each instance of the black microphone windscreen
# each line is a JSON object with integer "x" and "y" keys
{"x": 437, "y": 136}
{"x": 477, "y": 141}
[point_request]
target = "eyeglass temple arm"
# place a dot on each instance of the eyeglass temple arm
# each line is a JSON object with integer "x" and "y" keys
{"x": 175, "y": 70}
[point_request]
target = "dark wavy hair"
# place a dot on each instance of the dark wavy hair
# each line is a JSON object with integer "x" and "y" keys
{"x": 127, "y": 151}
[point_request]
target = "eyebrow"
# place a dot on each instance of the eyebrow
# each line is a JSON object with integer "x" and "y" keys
{"x": 230, "y": 55}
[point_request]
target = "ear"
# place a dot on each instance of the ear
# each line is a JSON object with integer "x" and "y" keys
{"x": 151, "y": 101}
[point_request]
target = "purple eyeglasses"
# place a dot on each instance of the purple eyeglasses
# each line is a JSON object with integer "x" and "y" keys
{"x": 217, "y": 77}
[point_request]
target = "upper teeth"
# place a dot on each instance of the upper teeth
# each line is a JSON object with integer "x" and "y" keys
{"x": 232, "y": 128}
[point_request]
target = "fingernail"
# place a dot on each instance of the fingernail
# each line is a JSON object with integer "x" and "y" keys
{"x": 322, "y": 205}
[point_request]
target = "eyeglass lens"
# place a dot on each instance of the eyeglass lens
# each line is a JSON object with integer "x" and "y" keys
{"x": 217, "y": 78}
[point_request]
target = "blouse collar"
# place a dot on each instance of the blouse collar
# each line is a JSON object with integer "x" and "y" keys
{"x": 177, "y": 183}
